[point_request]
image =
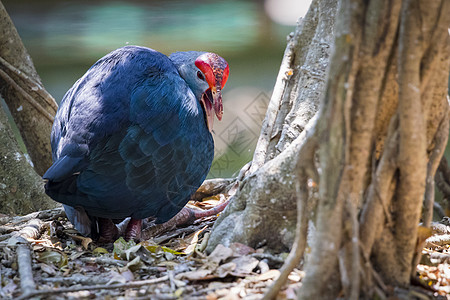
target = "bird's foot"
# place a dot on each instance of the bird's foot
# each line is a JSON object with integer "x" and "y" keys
{"x": 186, "y": 216}
{"x": 107, "y": 231}
{"x": 133, "y": 231}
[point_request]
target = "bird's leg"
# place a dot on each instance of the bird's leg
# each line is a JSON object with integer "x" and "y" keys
{"x": 186, "y": 216}
{"x": 133, "y": 231}
{"x": 107, "y": 230}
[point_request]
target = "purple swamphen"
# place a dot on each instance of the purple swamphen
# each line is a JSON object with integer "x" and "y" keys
{"x": 132, "y": 138}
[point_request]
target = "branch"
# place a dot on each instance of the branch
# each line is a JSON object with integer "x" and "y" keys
{"x": 27, "y": 284}
{"x": 133, "y": 284}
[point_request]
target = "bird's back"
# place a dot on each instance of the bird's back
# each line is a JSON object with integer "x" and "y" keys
{"x": 129, "y": 139}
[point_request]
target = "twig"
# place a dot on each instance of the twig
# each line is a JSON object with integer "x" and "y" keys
{"x": 128, "y": 285}
{"x": 77, "y": 279}
{"x": 27, "y": 284}
{"x": 103, "y": 261}
{"x": 179, "y": 231}
{"x": 116, "y": 262}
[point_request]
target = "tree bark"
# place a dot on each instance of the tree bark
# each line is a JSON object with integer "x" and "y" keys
{"x": 263, "y": 212}
{"x": 32, "y": 107}
{"x": 21, "y": 189}
{"x": 378, "y": 136}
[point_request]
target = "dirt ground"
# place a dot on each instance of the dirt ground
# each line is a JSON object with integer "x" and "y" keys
{"x": 171, "y": 265}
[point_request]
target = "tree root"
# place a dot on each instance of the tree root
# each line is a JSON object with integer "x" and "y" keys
{"x": 306, "y": 170}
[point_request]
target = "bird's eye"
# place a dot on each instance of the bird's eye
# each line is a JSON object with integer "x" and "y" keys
{"x": 200, "y": 75}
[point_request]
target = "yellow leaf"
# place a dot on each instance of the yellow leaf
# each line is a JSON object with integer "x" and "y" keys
{"x": 100, "y": 250}
{"x": 155, "y": 248}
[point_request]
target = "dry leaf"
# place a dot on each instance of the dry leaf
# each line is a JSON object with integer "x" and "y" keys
{"x": 135, "y": 264}
{"x": 123, "y": 277}
{"x": 271, "y": 274}
{"x": 99, "y": 250}
{"x": 196, "y": 275}
{"x": 221, "y": 253}
{"x": 241, "y": 249}
{"x": 244, "y": 265}
{"x": 85, "y": 241}
{"x": 225, "y": 269}
{"x": 53, "y": 256}
{"x": 48, "y": 269}
{"x": 194, "y": 241}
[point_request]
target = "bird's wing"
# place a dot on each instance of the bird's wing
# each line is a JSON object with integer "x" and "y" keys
{"x": 97, "y": 107}
{"x": 153, "y": 148}
{"x": 122, "y": 131}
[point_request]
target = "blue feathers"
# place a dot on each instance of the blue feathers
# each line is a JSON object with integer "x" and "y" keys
{"x": 129, "y": 140}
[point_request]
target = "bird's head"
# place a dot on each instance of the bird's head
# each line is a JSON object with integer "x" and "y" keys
{"x": 206, "y": 74}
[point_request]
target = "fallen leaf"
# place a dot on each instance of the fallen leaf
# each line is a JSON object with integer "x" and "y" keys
{"x": 196, "y": 275}
{"x": 131, "y": 252}
{"x": 245, "y": 265}
{"x": 85, "y": 241}
{"x": 225, "y": 269}
{"x": 48, "y": 269}
{"x": 123, "y": 277}
{"x": 271, "y": 274}
{"x": 221, "y": 253}
{"x": 120, "y": 246}
{"x": 99, "y": 250}
{"x": 194, "y": 241}
{"x": 53, "y": 256}
{"x": 241, "y": 249}
{"x": 177, "y": 294}
{"x": 155, "y": 248}
{"x": 135, "y": 264}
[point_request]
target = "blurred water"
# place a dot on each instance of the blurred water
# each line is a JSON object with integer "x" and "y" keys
{"x": 65, "y": 37}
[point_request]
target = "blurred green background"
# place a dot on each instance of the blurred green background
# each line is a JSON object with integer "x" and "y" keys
{"x": 64, "y": 38}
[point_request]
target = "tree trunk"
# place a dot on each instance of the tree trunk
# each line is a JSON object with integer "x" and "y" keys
{"x": 378, "y": 137}
{"x": 21, "y": 189}
{"x": 32, "y": 107}
{"x": 263, "y": 212}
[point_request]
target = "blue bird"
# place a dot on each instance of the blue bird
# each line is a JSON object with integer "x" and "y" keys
{"x": 132, "y": 138}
